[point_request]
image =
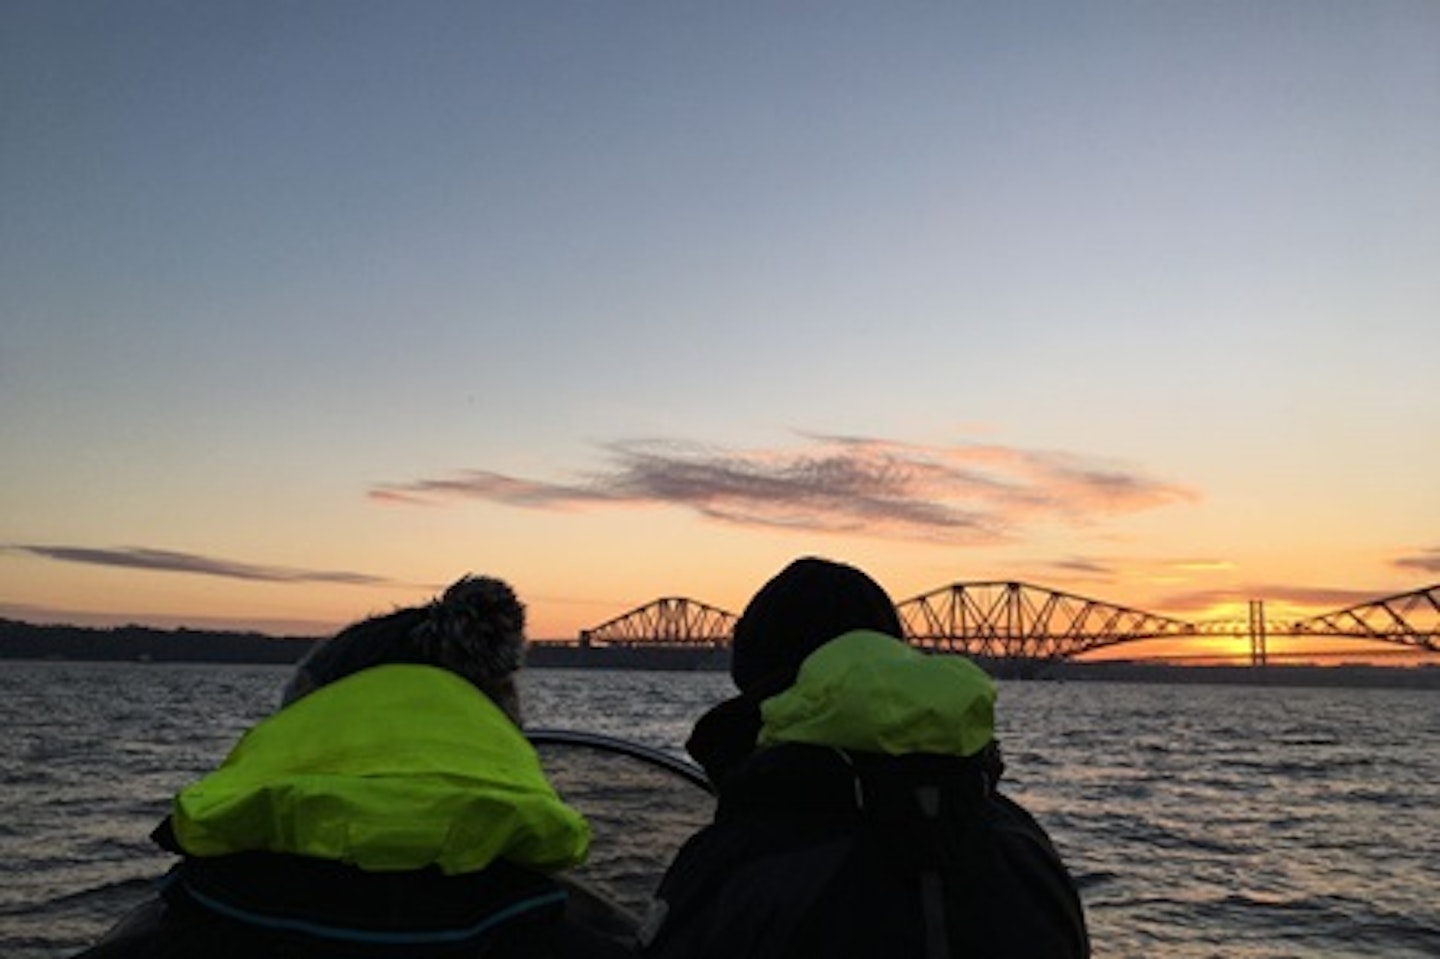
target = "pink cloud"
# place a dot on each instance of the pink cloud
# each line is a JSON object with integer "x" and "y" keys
{"x": 966, "y": 494}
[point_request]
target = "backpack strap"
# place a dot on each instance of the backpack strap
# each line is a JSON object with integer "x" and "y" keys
{"x": 932, "y": 889}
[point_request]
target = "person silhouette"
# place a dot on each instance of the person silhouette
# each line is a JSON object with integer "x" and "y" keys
{"x": 391, "y": 807}
{"x": 859, "y": 813}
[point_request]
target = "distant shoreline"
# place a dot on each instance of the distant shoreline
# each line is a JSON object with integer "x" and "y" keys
{"x": 556, "y": 656}
{"x": 25, "y": 641}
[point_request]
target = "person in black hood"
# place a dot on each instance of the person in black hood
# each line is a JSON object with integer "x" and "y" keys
{"x": 810, "y": 602}
{"x": 859, "y": 813}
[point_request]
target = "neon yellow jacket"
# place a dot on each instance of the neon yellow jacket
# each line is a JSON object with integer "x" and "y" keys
{"x": 871, "y": 693}
{"x": 393, "y": 768}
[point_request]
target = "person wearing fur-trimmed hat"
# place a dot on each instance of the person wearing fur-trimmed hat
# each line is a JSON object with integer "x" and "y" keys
{"x": 859, "y": 813}
{"x": 391, "y": 807}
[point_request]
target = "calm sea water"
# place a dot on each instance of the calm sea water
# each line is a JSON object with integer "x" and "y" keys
{"x": 1199, "y": 820}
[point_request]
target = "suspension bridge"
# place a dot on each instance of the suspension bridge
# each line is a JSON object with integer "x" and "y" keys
{"x": 1020, "y": 622}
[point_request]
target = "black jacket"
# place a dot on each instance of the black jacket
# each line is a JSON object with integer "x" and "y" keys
{"x": 254, "y": 905}
{"x": 816, "y": 852}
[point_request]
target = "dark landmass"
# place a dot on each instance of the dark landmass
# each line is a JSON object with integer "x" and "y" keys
{"x": 20, "y": 640}
{"x": 541, "y": 656}
{"x": 1344, "y": 674}
{"x": 144, "y": 644}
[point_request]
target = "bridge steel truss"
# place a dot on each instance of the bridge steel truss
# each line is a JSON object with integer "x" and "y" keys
{"x": 668, "y": 621}
{"x": 1017, "y": 621}
{"x": 1410, "y": 619}
{"x": 1020, "y": 622}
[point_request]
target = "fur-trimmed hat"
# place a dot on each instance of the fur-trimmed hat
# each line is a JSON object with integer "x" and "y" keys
{"x": 804, "y": 606}
{"x": 475, "y": 629}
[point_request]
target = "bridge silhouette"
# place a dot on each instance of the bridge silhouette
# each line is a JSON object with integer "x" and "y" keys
{"x": 1016, "y": 621}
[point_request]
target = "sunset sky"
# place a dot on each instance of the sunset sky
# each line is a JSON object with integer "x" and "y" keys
{"x": 307, "y": 308}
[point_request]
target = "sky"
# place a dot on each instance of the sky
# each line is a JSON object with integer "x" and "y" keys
{"x": 307, "y": 309}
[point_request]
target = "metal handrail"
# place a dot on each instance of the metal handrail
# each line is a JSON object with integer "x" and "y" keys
{"x": 648, "y": 754}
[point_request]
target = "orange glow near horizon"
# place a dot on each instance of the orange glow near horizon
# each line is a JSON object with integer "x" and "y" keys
{"x": 565, "y": 599}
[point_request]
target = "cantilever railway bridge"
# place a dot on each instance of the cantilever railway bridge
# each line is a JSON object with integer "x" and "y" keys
{"x": 1020, "y": 622}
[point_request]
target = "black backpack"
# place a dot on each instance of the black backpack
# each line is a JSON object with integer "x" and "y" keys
{"x": 816, "y": 852}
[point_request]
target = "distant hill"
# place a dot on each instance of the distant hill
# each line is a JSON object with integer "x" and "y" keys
{"x": 20, "y": 640}
{"x": 27, "y": 641}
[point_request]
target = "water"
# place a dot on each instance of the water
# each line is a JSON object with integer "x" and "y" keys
{"x": 1198, "y": 820}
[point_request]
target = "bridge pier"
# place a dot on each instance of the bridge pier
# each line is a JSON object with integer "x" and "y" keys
{"x": 1258, "y": 654}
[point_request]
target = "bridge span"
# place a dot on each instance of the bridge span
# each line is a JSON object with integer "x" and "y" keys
{"x": 668, "y": 621}
{"x": 1008, "y": 620}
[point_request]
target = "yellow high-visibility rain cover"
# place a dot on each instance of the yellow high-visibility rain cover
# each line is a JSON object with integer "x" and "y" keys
{"x": 393, "y": 768}
{"x": 872, "y": 693}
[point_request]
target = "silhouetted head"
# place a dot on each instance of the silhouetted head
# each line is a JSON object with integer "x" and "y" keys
{"x": 475, "y": 629}
{"x": 804, "y": 606}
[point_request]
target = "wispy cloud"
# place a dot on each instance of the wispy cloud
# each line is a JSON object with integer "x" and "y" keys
{"x": 1426, "y": 561}
{"x": 1200, "y": 565}
{"x": 1083, "y": 567}
{"x": 53, "y": 616}
{"x": 1149, "y": 569}
{"x": 969, "y": 494}
{"x": 169, "y": 561}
